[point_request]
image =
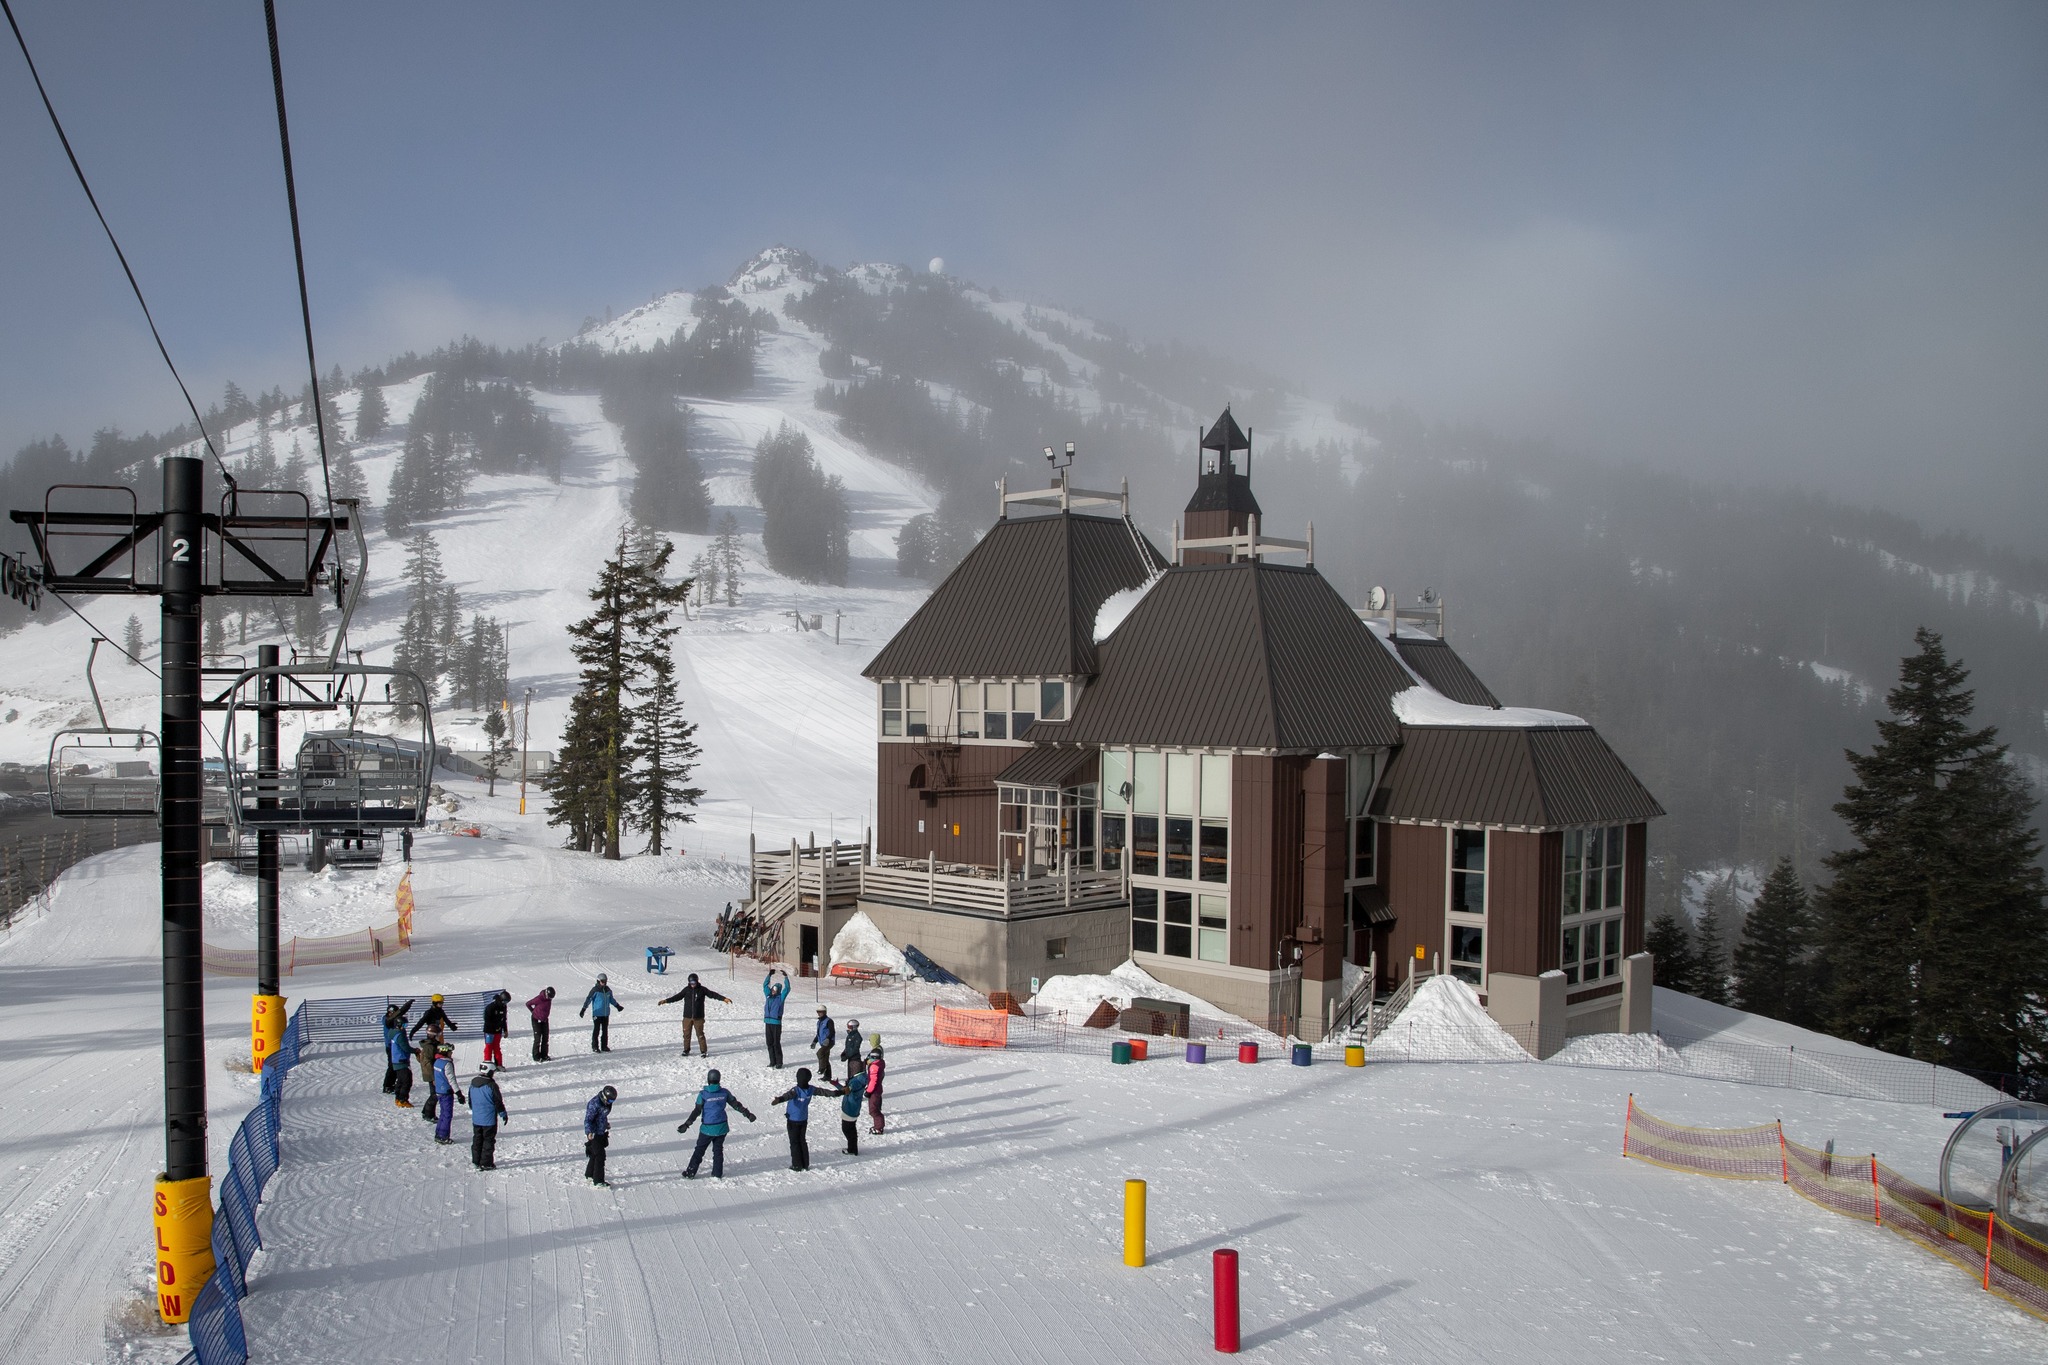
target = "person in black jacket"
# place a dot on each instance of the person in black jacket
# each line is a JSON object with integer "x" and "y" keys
{"x": 693, "y": 995}
{"x": 394, "y": 1023}
{"x": 494, "y": 1028}
{"x": 435, "y": 1019}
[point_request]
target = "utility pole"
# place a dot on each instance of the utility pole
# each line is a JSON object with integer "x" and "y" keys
{"x": 266, "y": 1010}
{"x": 525, "y": 744}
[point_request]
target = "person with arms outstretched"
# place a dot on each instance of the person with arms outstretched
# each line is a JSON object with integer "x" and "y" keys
{"x": 712, "y": 1102}
{"x": 796, "y": 1103}
{"x": 600, "y": 1003}
{"x": 693, "y": 995}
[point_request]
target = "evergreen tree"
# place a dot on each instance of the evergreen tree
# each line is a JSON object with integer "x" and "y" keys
{"x": 803, "y": 510}
{"x": 663, "y": 754}
{"x": 1710, "y": 942}
{"x": 1774, "y": 970}
{"x": 1669, "y": 943}
{"x": 259, "y": 467}
{"x": 576, "y": 784}
{"x": 131, "y": 640}
{"x": 216, "y": 613}
{"x": 617, "y": 646}
{"x": 419, "y": 637}
{"x": 1934, "y": 927}
{"x": 235, "y": 407}
{"x": 309, "y": 626}
{"x": 349, "y": 481}
{"x": 296, "y": 473}
{"x": 704, "y": 576}
{"x": 371, "y": 414}
{"x": 929, "y": 546}
{"x": 726, "y": 551}
{"x": 498, "y": 750}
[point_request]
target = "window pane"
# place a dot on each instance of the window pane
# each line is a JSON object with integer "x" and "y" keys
{"x": 998, "y": 696}
{"x": 1180, "y": 908}
{"x": 1571, "y": 947}
{"x": 892, "y": 722}
{"x": 1468, "y": 849}
{"x": 1216, "y": 786}
{"x": 1145, "y": 845}
{"x": 1571, "y": 973}
{"x": 1215, "y": 911}
{"x": 1215, "y": 851}
{"x": 1614, "y": 836}
{"x": 914, "y": 722}
{"x": 995, "y": 725}
{"x": 970, "y": 725}
{"x": 1179, "y": 936}
{"x": 1145, "y": 781}
{"x": 892, "y": 696}
{"x": 1179, "y": 941}
{"x": 1613, "y": 888}
{"x": 1144, "y": 903}
{"x": 1364, "y": 850}
{"x": 1020, "y": 721}
{"x": 1614, "y": 938}
{"x": 1467, "y": 943}
{"x": 1144, "y": 936}
{"x": 1215, "y": 945}
{"x": 1180, "y": 849}
{"x": 1116, "y": 772}
{"x": 1358, "y": 784}
{"x": 1468, "y": 893}
{"x": 1574, "y": 845}
{"x": 916, "y": 700}
{"x": 1112, "y": 843}
{"x": 1052, "y": 700}
{"x": 1180, "y": 784}
{"x": 1571, "y": 892}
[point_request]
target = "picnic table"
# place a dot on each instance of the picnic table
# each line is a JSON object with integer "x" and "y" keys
{"x": 862, "y": 973}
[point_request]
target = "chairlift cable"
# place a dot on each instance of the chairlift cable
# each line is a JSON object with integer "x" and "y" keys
{"x": 291, "y": 198}
{"x": 119, "y": 254}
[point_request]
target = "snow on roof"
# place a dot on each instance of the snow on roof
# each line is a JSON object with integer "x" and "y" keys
{"x": 1421, "y": 705}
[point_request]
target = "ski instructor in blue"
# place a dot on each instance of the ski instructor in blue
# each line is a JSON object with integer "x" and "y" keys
{"x": 712, "y": 1101}
{"x": 600, "y": 1003}
{"x": 773, "y": 999}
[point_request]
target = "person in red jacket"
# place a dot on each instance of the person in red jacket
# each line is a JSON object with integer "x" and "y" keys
{"x": 539, "y": 1007}
{"x": 875, "y": 1069}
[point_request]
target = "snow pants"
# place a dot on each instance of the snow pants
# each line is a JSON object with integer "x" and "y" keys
{"x": 716, "y": 1142}
{"x": 799, "y": 1145}
{"x": 695, "y": 1026}
{"x": 875, "y": 1109}
{"x": 775, "y": 1043}
{"x": 850, "y": 1129}
{"x": 483, "y": 1146}
{"x": 825, "y": 1063}
{"x": 494, "y": 1048}
{"x": 600, "y": 1033}
{"x": 540, "y": 1040}
{"x": 401, "y": 1084}
{"x": 391, "y": 1076}
{"x": 593, "y": 1148}
{"x": 444, "y": 1117}
{"x": 432, "y": 1105}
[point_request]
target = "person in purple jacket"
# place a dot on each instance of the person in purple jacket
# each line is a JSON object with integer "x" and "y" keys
{"x": 540, "y": 1007}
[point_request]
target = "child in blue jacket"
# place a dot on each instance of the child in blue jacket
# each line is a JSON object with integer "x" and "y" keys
{"x": 712, "y": 1101}
{"x": 855, "y": 1090}
{"x": 796, "y": 1102}
{"x": 773, "y": 997}
{"x": 398, "y": 1058}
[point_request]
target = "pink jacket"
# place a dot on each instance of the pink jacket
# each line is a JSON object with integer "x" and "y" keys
{"x": 539, "y": 1007}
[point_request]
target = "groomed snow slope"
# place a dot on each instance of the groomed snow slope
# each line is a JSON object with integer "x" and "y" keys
{"x": 1418, "y": 1212}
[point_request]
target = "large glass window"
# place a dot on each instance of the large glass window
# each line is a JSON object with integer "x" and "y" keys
{"x": 915, "y": 709}
{"x": 1178, "y": 832}
{"x": 1177, "y": 938}
{"x": 1144, "y": 845}
{"x": 1215, "y": 851}
{"x": 892, "y": 708}
{"x": 1180, "y": 784}
{"x": 1592, "y": 951}
{"x": 1113, "y": 842}
{"x": 1116, "y": 779}
{"x": 1216, "y": 786}
{"x": 1468, "y": 952}
{"x": 1144, "y": 919}
{"x": 1214, "y": 929}
{"x": 967, "y": 706}
{"x": 1180, "y": 848}
{"x": 1145, "y": 782}
{"x": 1052, "y": 700}
{"x": 1593, "y": 869}
{"x": 1468, "y": 871}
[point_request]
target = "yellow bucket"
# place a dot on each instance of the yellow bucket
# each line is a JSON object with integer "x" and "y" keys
{"x": 1354, "y": 1054}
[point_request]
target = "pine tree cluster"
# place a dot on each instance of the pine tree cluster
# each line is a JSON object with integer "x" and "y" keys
{"x": 669, "y": 491}
{"x": 627, "y": 753}
{"x": 803, "y": 509}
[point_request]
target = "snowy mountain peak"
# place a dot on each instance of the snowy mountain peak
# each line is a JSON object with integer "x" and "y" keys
{"x": 638, "y": 328}
{"x": 776, "y": 268}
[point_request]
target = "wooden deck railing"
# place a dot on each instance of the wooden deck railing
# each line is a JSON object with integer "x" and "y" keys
{"x": 785, "y": 881}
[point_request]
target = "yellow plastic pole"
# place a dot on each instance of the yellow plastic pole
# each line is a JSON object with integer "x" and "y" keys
{"x": 1134, "y": 1222}
{"x": 184, "y": 1243}
{"x": 266, "y": 1029}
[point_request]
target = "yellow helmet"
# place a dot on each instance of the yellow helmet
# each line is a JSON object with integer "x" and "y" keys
{"x": 436, "y": 999}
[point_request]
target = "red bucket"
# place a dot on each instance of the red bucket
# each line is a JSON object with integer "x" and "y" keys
{"x": 1138, "y": 1049}
{"x": 1247, "y": 1052}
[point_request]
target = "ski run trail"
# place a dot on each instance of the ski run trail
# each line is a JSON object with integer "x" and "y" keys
{"x": 1408, "y": 1212}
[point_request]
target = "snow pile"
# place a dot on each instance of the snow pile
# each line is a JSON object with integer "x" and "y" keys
{"x": 1079, "y": 995}
{"x": 1445, "y": 1023}
{"x": 1632, "y": 1051}
{"x": 1117, "y": 606}
{"x": 1426, "y": 706}
{"x": 331, "y": 901}
{"x": 862, "y": 941}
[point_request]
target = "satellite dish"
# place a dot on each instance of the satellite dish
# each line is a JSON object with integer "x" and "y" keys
{"x": 937, "y": 266}
{"x": 1377, "y": 599}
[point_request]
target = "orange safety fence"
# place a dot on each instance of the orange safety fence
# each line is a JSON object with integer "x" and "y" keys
{"x": 970, "y": 1028}
{"x": 2005, "y": 1261}
{"x": 361, "y": 945}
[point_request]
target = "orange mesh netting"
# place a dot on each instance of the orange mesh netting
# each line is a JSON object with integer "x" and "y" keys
{"x": 970, "y": 1028}
{"x": 1860, "y": 1187}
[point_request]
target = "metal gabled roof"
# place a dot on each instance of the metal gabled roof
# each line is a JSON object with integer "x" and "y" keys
{"x": 1247, "y": 655}
{"x": 1023, "y": 601}
{"x": 1530, "y": 777}
{"x": 1048, "y": 766}
{"x": 1438, "y": 665}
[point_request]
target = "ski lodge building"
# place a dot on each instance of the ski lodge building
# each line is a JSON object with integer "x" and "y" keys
{"x": 1210, "y": 763}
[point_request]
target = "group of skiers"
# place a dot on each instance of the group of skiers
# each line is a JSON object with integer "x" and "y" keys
{"x": 435, "y": 1055}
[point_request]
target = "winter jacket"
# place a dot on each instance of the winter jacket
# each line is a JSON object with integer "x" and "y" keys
{"x": 434, "y": 1015}
{"x": 875, "y": 1067}
{"x": 600, "y": 1002}
{"x": 856, "y": 1091}
{"x": 827, "y": 1033}
{"x": 774, "y": 995}
{"x": 693, "y": 996}
{"x": 444, "y": 1076}
{"x": 494, "y": 1016}
{"x": 539, "y": 1007}
{"x": 597, "y": 1116}
{"x": 486, "y": 1103}
{"x": 850, "y": 1054}
{"x": 711, "y": 1104}
{"x": 397, "y": 1048}
{"x": 796, "y": 1101}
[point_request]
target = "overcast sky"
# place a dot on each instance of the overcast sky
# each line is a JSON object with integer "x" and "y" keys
{"x": 1772, "y": 242}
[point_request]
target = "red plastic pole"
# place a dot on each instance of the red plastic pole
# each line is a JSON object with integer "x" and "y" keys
{"x": 1876, "y": 1194}
{"x": 1626, "y": 1120}
{"x": 1990, "y": 1231}
{"x": 1226, "y": 1301}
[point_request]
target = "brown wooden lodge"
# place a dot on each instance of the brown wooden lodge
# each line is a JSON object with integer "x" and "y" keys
{"x": 1224, "y": 787}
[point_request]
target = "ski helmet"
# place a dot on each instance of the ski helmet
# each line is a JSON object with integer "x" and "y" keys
{"x": 803, "y": 1075}
{"x": 608, "y": 1094}
{"x": 711, "y": 1077}
{"x": 693, "y": 978}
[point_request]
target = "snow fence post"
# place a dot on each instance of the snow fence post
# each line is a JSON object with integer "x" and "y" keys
{"x": 1225, "y": 1263}
{"x": 1990, "y": 1231}
{"x": 1626, "y": 1120}
{"x": 1876, "y": 1196}
{"x": 1134, "y": 1223}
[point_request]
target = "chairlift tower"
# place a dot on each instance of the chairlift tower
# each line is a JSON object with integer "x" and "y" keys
{"x": 93, "y": 540}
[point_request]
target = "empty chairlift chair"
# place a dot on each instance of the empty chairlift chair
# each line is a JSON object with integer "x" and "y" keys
{"x": 104, "y": 771}
{"x": 347, "y": 783}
